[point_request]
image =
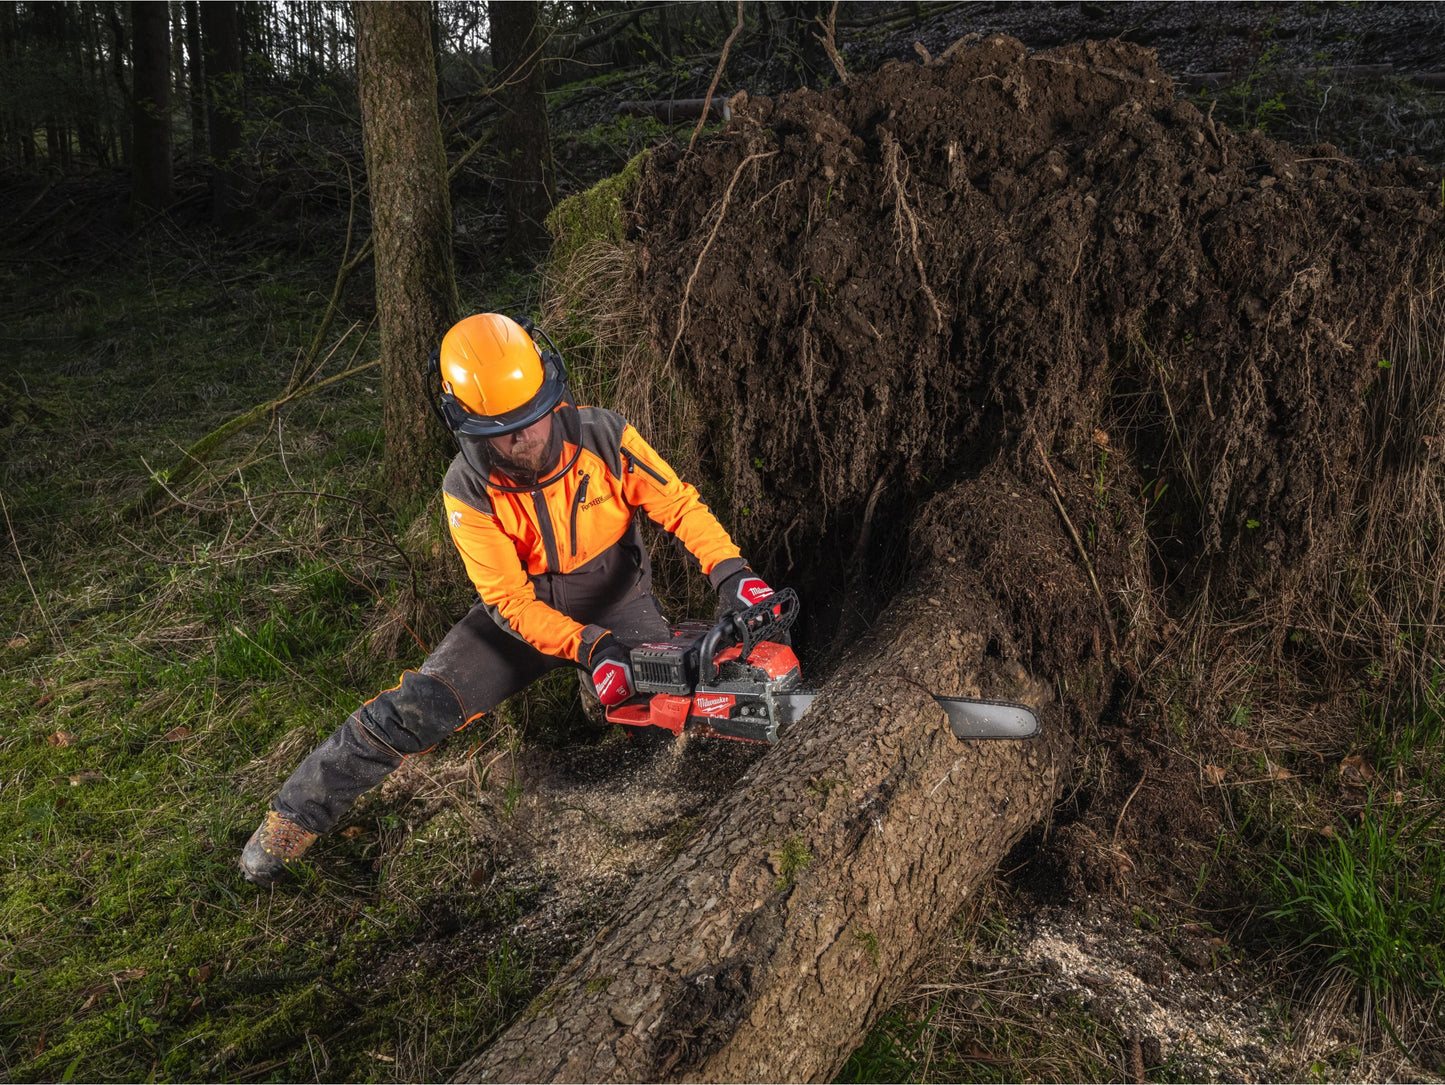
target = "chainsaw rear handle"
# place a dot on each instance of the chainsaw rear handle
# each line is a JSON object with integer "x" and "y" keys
{"x": 765, "y": 620}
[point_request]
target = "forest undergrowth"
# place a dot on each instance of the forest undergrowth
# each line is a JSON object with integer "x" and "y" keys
{"x": 161, "y": 676}
{"x": 158, "y": 678}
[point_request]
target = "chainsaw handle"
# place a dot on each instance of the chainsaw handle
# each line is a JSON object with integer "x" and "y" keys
{"x": 763, "y": 620}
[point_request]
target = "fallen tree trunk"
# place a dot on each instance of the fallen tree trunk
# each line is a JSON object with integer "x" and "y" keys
{"x": 767, "y": 948}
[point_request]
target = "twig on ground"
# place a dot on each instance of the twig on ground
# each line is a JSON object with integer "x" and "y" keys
{"x": 196, "y": 456}
{"x": 54, "y": 632}
{"x": 721, "y": 61}
{"x": 1125, "y": 808}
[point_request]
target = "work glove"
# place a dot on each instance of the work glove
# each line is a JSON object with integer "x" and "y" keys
{"x": 611, "y": 670}
{"x": 740, "y": 591}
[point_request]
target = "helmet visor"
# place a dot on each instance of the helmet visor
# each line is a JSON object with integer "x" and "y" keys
{"x": 462, "y": 421}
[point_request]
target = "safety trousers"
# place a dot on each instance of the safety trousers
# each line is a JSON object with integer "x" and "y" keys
{"x": 476, "y": 666}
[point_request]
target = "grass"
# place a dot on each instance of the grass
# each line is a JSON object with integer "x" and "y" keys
{"x": 1361, "y": 900}
{"x": 158, "y": 679}
{"x": 1370, "y": 901}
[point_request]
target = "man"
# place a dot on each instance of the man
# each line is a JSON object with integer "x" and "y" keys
{"x": 540, "y": 501}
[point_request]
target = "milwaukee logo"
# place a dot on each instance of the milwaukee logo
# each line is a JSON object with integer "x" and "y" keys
{"x": 753, "y": 591}
{"x": 715, "y": 705}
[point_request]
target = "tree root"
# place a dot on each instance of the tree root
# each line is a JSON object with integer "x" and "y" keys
{"x": 905, "y": 222}
{"x": 712, "y": 236}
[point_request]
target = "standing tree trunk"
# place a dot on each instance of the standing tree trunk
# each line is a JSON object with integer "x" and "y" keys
{"x": 120, "y": 47}
{"x": 522, "y": 132}
{"x": 406, "y": 169}
{"x": 221, "y": 37}
{"x": 151, "y": 106}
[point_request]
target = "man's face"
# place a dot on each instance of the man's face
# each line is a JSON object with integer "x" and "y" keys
{"x": 526, "y": 449}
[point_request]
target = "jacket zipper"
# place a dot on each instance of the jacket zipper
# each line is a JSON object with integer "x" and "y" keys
{"x": 544, "y": 525}
{"x": 638, "y": 461}
{"x": 576, "y": 504}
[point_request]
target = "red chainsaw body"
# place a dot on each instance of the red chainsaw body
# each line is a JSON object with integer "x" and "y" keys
{"x": 692, "y": 684}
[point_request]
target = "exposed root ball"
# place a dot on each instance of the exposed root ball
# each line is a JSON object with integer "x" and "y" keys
{"x": 937, "y": 267}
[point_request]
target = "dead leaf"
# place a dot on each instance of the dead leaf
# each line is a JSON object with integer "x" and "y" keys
{"x": 1214, "y": 774}
{"x": 44, "y": 699}
{"x": 20, "y": 640}
{"x": 1281, "y": 774}
{"x": 89, "y": 1002}
{"x": 175, "y": 734}
{"x": 203, "y": 973}
{"x": 128, "y": 974}
{"x": 1328, "y": 830}
{"x": 1101, "y": 438}
{"x": 351, "y": 832}
{"x": 61, "y": 739}
{"x": 84, "y": 778}
{"x": 1356, "y": 770}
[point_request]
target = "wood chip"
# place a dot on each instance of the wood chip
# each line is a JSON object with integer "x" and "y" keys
{"x": 61, "y": 739}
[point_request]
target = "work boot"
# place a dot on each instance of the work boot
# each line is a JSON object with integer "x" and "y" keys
{"x": 272, "y": 848}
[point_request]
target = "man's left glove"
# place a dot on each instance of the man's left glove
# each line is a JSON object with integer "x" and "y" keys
{"x": 611, "y": 670}
{"x": 740, "y": 591}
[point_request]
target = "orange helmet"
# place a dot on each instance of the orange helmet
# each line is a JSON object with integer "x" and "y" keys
{"x": 494, "y": 380}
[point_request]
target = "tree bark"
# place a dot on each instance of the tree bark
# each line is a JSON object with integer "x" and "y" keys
{"x": 416, "y": 296}
{"x": 769, "y": 946}
{"x": 150, "y": 106}
{"x": 522, "y": 133}
{"x": 225, "y": 101}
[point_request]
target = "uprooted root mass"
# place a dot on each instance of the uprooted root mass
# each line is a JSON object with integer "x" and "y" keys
{"x": 1002, "y": 258}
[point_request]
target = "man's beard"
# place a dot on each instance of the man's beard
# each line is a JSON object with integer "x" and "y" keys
{"x": 531, "y": 466}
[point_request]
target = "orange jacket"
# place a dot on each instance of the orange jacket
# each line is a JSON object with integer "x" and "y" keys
{"x": 546, "y": 562}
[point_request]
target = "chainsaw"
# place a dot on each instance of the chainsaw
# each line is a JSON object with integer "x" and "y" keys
{"x": 740, "y": 679}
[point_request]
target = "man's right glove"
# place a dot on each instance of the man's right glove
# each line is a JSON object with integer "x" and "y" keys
{"x": 611, "y": 670}
{"x": 740, "y": 591}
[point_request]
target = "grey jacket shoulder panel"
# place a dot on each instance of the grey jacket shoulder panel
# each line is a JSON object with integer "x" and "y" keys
{"x": 466, "y": 485}
{"x": 602, "y": 433}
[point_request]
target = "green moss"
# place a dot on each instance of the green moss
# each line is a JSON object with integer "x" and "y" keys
{"x": 541, "y": 1006}
{"x": 593, "y": 215}
{"x": 869, "y": 941}
{"x": 792, "y": 859}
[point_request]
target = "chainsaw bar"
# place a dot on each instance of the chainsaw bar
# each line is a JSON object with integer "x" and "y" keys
{"x": 967, "y": 718}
